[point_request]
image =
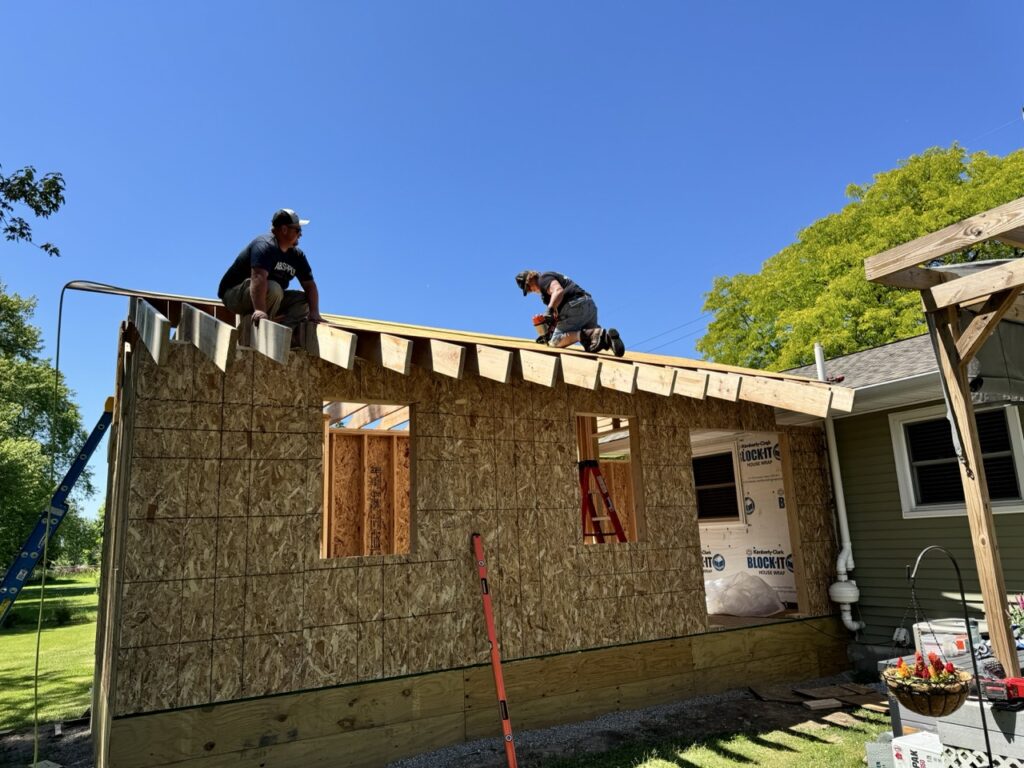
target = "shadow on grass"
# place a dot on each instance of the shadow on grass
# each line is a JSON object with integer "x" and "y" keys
{"x": 62, "y": 695}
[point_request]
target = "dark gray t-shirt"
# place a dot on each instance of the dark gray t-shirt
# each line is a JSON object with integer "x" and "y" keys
{"x": 263, "y": 252}
{"x": 571, "y": 289}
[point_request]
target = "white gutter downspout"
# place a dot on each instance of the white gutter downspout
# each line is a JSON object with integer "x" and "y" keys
{"x": 844, "y": 591}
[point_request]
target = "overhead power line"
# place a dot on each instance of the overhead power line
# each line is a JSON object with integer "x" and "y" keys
{"x": 676, "y": 328}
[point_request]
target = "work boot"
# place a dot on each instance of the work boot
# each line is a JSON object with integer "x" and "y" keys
{"x": 613, "y": 341}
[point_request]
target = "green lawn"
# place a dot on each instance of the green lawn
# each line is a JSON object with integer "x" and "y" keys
{"x": 65, "y": 655}
{"x": 807, "y": 743}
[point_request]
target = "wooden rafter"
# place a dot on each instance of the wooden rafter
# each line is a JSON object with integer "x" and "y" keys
{"x": 394, "y": 418}
{"x": 212, "y": 337}
{"x": 337, "y": 410}
{"x": 153, "y": 327}
{"x": 489, "y": 362}
{"x": 439, "y": 357}
{"x": 334, "y": 345}
{"x": 538, "y": 367}
{"x": 370, "y": 414}
{"x": 581, "y": 371}
{"x": 976, "y": 286}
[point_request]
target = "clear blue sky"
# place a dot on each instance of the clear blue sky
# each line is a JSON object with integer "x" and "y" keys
{"x": 440, "y": 147}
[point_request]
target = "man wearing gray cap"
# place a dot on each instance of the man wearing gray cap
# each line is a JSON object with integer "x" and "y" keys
{"x": 257, "y": 281}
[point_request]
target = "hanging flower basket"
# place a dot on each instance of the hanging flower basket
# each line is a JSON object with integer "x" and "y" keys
{"x": 935, "y": 689}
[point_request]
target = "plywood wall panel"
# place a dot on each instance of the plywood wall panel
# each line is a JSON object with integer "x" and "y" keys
{"x": 274, "y": 545}
{"x": 273, "y": 603}
{"x": 330, "y": 656}
{"x": 171, "y": 381}
{"x": 196, "y": 609}
{"x": 331, "y": 596}
{"x": 226, "y": 670}
{"x": 194, "y": 674}
{"x": 158, "y": 488}
{"x": 402, "y": 483}
{"x": 229, "y": 607}
{"x": 270, "y": 662}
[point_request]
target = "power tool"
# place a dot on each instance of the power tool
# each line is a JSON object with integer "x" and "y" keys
{"x": 1008, "y": 690}
{"x": 544, "y": 325}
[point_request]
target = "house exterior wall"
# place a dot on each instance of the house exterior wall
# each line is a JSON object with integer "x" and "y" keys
{"x": 220, "y": 593}
{"x": 884, "y": 543}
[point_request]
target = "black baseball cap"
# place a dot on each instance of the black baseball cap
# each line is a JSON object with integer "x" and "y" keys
{"x": 288, "y": 217}
{"x": 522, "y": 280}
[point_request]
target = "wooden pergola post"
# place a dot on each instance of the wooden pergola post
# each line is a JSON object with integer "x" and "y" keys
{"x": 992, "y": 294}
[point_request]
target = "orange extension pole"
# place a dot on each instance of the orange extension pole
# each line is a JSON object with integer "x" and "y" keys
{"x": 492, "y": 638}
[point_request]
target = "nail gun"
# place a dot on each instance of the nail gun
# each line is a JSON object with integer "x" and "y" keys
{"x": 544, "y": 325}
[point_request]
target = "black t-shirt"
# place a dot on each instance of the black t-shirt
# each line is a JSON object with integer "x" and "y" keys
{"x": 263, "y": 252}
{"x": 570, "y": 289}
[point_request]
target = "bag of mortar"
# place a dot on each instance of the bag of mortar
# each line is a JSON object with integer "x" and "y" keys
{"x": 742, "y": 594}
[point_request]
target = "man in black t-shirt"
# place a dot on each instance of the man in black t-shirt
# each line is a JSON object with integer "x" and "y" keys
{"x": 257, "y": 281}
{"x": 572, "y": 312}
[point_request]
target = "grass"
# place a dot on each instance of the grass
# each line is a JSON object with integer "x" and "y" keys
{"x": 810, "y": 743}
{"x": 65, "y": 656}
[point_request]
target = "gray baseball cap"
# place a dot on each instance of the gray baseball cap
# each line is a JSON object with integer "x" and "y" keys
{"x": 287, "y": 217}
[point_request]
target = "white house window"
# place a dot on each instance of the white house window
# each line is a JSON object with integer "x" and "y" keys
{"x": 927, "y": 467}
{"x": 718, "y": 493}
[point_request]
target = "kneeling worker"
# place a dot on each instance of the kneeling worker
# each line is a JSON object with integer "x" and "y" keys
{"x": 256, "y": 283}
{"x": 571, "y": 311}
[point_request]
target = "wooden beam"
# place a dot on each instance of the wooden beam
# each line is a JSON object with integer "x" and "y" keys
{"x": 581, "y": 371}
{"x": 489, "y": 362}
{"x": 917, "y": 278}
{"x": 369, "y": 414}
{"x": 653, "y": 378}
{"x": 976, "y": 286}
{"x": 618, "y": 376}
{"x": 979, "y": 507}
{"x": 790, "y": 395}
{"x": 394, "y": 418}
{"x": 391, "y": 352}
{"x": 213, "y": 338}
{"x": 985, "y": 323}
{"x": 724, "y": 386}
{"x": 1014, "y": 237}
{"x": 154, "y": 329}
{"x": 538, "y": 367}
{"x": 439, "y": 356}
{"x": 955, "y": 237}
{"x": 331, "y": 344}
{"x": 691, "y": 383}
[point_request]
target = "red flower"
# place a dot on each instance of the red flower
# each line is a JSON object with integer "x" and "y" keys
{"x": 926, "y": 674}
{"x": 900, "y": 662}
{"x": 950, "y": 668}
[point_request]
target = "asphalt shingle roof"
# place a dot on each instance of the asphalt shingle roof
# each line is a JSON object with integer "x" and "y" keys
{"x": 889, "y": 362}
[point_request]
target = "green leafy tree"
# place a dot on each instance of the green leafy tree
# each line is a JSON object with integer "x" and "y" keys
{"x": 78, "y": 540}
{"x": 42, "y": 195}
{"x": 34, "y": 428}
{"x": 815, "y": 289}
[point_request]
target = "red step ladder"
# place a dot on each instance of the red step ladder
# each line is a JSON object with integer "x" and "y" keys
{"x": 591, "y": 469}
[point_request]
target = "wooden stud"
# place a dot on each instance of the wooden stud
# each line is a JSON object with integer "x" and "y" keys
{"x": 538, "y": 367}
{"x": 618, "y": 376}
{"x": 956, "y": 237}
{"x": 985, "y": 322}
{"x": 691, "y": 383}
{"x": 793, "y": 522}
{"x": 331, "y": 344}
{"x": 652, "y": 378}
{"x": 440, "y": 356}
{"x": 213, "y": 338}
{"x": 979, "y": 507}
{"x": 1014, "y": 237}
{"x": 489, "y": 362}
{"x": 581, "y": 371}
{"x": 724, "y": 386}
{"x": 154, "y": 329}
{"x": 976, "y": 286}
{"x": 327, "y": 523}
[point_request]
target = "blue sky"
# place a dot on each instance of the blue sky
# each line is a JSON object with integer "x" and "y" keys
{"x": 440, "y": 147}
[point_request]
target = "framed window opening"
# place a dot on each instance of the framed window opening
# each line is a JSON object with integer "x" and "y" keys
{"x": 927, "y": 469}
{"x": 367, "y": 480}
{"x": 717, "y": 481}
{"x": 611, "y": 441}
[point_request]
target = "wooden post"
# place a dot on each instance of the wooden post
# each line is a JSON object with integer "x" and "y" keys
{"x": 793, "y": 522}
{"x": 979, "y": 508}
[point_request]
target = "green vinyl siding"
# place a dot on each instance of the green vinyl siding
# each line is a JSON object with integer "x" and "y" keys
{"x": 884, "y": 543}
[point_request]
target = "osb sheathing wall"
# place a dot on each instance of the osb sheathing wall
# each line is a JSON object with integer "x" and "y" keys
{"x": 224, "y": 596}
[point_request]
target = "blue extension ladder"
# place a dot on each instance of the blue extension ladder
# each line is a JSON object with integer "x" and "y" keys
{"x": 32, "y": 550}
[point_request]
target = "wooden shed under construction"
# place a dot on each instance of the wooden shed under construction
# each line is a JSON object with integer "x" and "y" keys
{"x": 287, "y": 573}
